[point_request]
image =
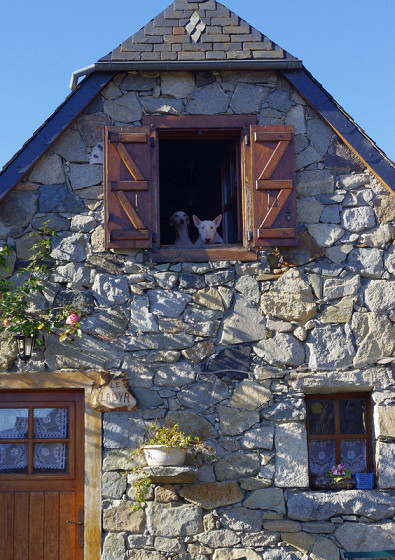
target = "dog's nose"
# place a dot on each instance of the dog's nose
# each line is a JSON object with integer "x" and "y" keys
{"x": 207, "y": 240}
{"x": 182, "y": 221}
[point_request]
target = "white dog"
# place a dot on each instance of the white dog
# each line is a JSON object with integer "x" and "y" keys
{"x": 180, "y": 220}
{"x": 208, "y": 231}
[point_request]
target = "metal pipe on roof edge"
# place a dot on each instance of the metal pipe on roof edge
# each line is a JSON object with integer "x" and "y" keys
{"x": 78, "y": 73}
{"x": 186, "y": 65}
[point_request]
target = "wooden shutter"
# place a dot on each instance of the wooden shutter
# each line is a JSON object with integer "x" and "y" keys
{"x": 128, "y": 188}
{"x": 273, "y": 185}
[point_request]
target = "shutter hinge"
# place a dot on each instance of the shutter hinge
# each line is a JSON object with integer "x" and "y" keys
{"x": 250, "y": 236}
{"x": 247, "y": 139}
{"x": 152, "y": 142}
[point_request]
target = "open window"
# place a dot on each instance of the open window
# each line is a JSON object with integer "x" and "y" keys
{"x": 339, "y": 431}
{"x": 203, "y": 166}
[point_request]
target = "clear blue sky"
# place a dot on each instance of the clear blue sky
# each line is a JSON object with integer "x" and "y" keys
{"x": 348, "y": 46}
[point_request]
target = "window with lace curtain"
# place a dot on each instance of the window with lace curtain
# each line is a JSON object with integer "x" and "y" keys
{"x": 34, "y": 440}
{"x": 339, "y": 431}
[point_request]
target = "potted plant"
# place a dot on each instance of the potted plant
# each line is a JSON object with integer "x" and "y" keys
{"x": 165, "y": 445}
{"x": 336, "y": 477}
{"x": 338, "y": 473}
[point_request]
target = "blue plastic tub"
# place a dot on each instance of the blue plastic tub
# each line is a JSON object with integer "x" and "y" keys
{"x": 364, "y": 481}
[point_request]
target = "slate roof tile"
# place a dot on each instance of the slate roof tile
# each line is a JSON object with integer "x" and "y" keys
{"x": 199, "y": 27}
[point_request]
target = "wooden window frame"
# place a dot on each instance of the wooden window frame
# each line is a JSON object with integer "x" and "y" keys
{"x": 259, "y": 180}
{"x": 338, "y": 437}
{"x": 30, "y": 440}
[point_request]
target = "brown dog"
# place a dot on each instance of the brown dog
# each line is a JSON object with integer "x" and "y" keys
{"x": 179, "y": 221}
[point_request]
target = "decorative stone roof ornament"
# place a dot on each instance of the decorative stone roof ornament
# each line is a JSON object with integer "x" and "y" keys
{"x": 195, "y": 27}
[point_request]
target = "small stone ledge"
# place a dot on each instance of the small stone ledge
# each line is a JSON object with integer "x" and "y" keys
{"x": 174, "y": 475}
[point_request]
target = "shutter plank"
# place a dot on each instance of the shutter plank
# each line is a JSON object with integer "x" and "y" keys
{"x": 276, "y": 208}
{"x": 265, "y": 185}
{"x": 129, "y": 196}
{"x": 129, "y": 186}
{"x": 128, "y": 161}
{"x": 273, "y": 180}
{"x": 273, "y": 162}
{"x": 130, "y": 211}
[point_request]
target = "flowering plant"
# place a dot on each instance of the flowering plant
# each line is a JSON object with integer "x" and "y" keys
{"x": 167, "y": 435}
{"x": 338, "y": 473}
{"x": 17, "y": 315}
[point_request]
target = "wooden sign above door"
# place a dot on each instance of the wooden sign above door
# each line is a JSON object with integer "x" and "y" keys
{"x": 113, "y": 394}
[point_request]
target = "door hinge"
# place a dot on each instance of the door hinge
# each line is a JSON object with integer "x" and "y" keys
{"x": 250, "y": 236}
{"x": 247, "y": 139}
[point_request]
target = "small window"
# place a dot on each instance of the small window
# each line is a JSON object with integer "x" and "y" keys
{"x": 203, "y": 166}
{"x": 339, "y": 431}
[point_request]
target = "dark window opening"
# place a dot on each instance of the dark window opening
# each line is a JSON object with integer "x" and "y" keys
{"x": 200, "y": 177}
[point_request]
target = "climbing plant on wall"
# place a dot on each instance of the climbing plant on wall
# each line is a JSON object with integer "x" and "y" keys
{"x": 18, "y": 314}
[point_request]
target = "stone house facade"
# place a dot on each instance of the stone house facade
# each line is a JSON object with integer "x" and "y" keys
{"x": 240, "y": 343}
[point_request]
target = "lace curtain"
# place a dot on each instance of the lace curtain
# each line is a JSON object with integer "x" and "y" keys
{"x": 353, "y": 455}
{"x": 48, "y": 423}
{"x": 322, "y": 455}
{"x": 14, "y": 423}
{"x": 13, "y": 457}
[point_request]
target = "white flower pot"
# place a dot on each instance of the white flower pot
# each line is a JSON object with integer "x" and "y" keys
{"x": 157, "y": 455}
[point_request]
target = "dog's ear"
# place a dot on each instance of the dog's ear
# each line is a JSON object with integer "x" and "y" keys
{"x": 171, "y": 220}
{"x": 196, "y": 220}
{"x": 217, "y": 220}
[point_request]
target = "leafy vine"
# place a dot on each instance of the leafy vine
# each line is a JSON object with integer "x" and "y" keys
{"x": 17, "y": 315}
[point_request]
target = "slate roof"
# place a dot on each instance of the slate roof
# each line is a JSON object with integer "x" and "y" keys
{"x": 192, "y": 31}
{"x": 197, "y": 35}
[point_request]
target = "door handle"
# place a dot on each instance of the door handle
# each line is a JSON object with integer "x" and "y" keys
{"x": 80, "y": 529}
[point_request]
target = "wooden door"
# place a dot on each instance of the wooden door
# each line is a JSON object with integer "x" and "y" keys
{"x": 41, "y": 475}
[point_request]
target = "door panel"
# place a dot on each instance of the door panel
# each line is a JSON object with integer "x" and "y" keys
{"x": 41, "y": 490}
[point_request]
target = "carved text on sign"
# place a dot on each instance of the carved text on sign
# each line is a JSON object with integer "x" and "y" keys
{"x": 114, "y": 395}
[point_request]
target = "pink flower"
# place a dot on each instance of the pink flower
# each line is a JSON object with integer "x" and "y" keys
{"x": 6, "y": 321}
{"x": 72, "y": 319}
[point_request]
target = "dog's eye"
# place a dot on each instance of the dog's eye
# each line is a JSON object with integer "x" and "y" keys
{"x": 211, "y": 227}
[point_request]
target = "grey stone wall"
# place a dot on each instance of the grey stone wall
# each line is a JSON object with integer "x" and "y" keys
{"x": 227, "y": 349}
